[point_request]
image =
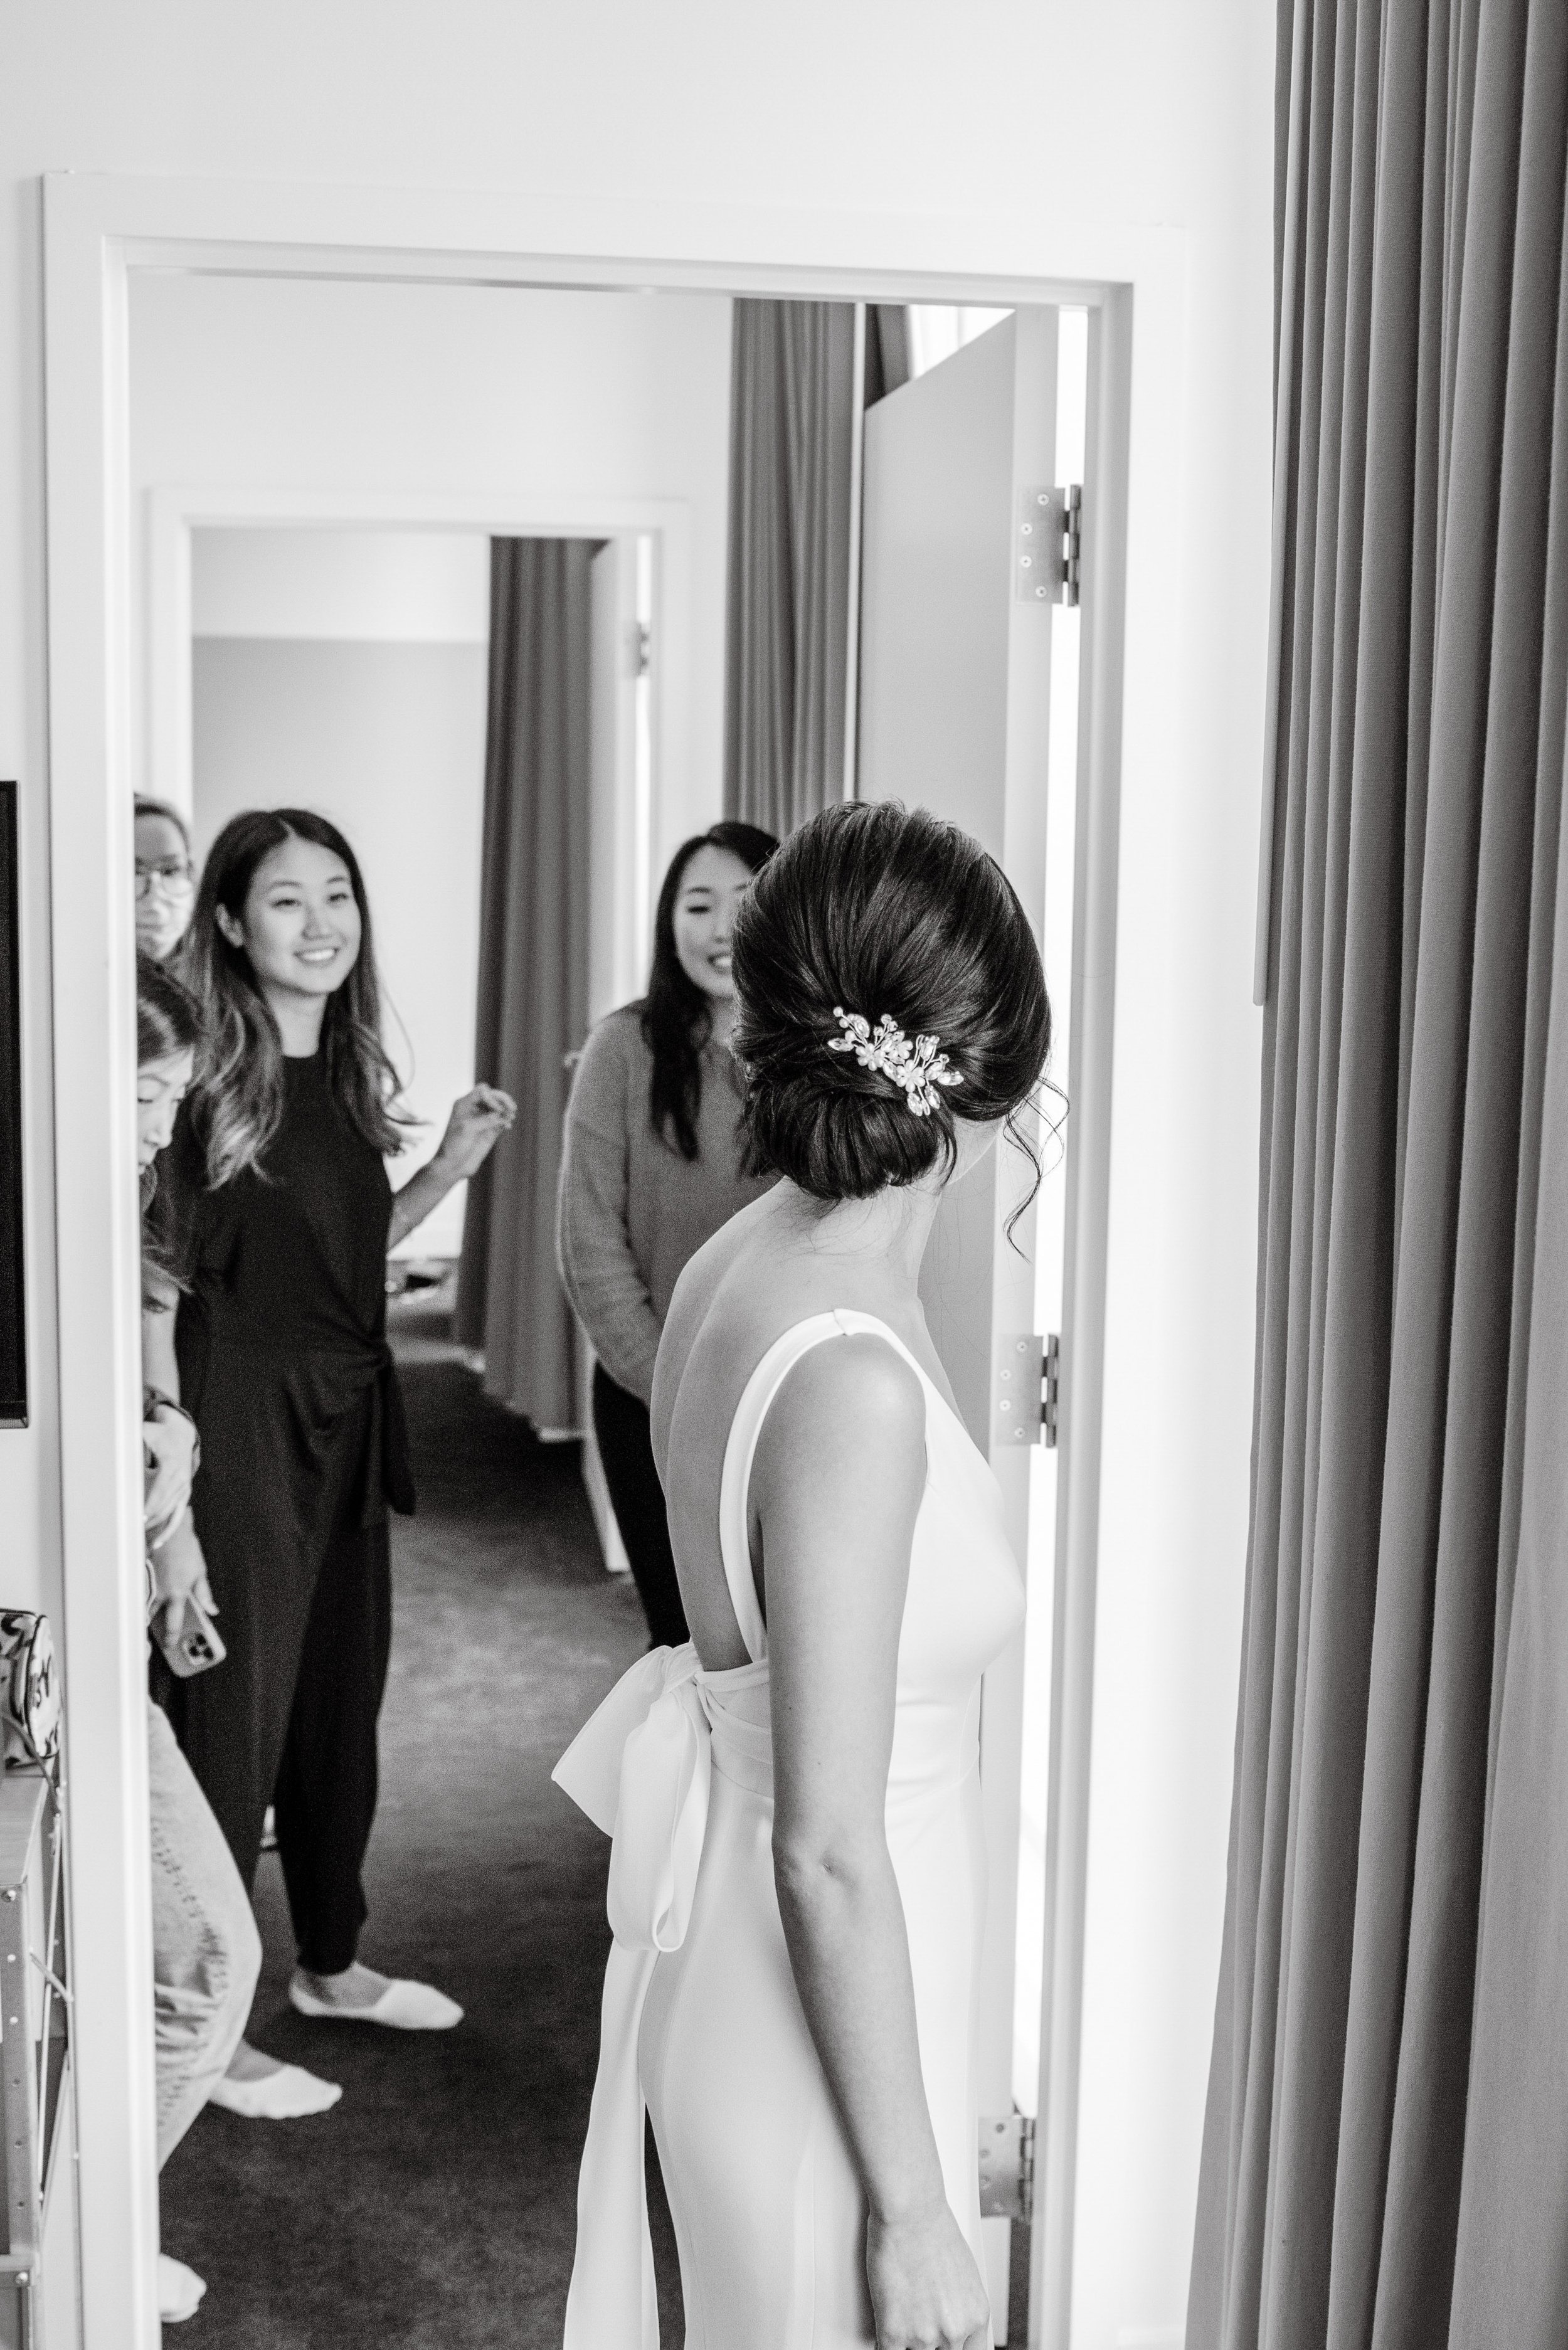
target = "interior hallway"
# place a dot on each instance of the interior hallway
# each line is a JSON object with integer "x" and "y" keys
{"x": 436, "y": 2205}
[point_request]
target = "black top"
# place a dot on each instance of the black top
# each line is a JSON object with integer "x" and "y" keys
{"x": 287, "y": 1272}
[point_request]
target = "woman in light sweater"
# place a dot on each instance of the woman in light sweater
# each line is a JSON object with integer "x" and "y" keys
{"x": 655, "y": 1160}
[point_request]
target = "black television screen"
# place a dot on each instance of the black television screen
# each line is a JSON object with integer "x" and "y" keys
{"x": 13, "y": 1333}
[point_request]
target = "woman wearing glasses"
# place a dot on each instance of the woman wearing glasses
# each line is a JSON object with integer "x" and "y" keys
{"x": 165, "y": 879}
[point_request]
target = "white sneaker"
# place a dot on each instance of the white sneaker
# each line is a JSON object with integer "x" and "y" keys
{"x": 406, "y": 2006}
{"x": 281, "y": 2096}
{"x": 180, "y": 2290}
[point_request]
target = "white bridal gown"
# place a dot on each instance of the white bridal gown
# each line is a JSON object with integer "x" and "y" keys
{"x": 701, "y": 2018}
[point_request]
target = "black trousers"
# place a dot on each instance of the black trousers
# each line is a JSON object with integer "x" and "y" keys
{"x": 324, "y": 1798}
{"x": 289, "y": 1718}
{"x": 626, "y": 1449}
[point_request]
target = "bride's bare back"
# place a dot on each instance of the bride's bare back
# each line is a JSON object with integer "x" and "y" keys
{"x": 881, "y": 961}
{"x": 777, "y": 1262}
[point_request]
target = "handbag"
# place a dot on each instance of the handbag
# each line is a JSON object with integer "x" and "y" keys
{"x": 29, "y": 1688}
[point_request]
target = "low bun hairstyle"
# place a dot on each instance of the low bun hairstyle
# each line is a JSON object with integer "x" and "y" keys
{"x": 883, "y": 911}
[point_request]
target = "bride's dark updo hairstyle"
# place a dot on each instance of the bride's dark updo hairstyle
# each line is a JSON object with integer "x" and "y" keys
{"x": 881, "y": 910}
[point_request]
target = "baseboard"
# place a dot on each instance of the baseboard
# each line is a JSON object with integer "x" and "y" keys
{"x": 610, "y": 1543}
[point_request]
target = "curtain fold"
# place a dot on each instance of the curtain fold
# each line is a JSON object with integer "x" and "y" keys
{"x": 1386, "y": 2146}
{"x": 533, "y": 966}
{"x": 792, "y": 434}
{"x": 887, "y": 350}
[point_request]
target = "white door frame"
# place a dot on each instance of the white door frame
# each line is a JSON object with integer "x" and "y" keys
{"x": 97, "y": 230}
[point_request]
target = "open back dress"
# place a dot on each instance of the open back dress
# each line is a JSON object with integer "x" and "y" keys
{"x": 701, "y": 2023}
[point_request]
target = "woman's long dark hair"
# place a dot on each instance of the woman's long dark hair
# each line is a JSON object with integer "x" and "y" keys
{"x": 237, "y": 1101}
{"x": 676, "y": 1019}
{"x": 168, "y": 1021}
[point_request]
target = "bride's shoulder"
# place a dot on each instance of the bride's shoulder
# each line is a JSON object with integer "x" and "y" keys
{"x": 854, "y": 1394}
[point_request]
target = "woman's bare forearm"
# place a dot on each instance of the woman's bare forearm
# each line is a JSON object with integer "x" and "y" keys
{"x": 849, "y": 1951}
{"x": 478, "y": 1118}
{"x": 419, "y": 1196}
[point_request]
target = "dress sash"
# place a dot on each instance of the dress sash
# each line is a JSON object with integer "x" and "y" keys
{"x": 641, "y": 1768}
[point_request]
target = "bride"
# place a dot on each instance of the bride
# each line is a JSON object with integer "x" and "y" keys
{"x": 797, "y": 1871}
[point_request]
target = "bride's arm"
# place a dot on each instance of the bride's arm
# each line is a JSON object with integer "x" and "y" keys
{"x": 835, "y": 1487}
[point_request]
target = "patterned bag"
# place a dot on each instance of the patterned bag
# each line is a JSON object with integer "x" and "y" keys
{"x": 29, "y": 1688}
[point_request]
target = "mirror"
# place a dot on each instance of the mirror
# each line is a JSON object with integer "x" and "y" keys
{"x": 453, "y": 568}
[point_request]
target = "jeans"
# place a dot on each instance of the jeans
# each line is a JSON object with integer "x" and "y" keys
{"x": 206, "y": 1951}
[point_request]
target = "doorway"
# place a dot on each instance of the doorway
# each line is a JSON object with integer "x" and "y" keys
{"x": 1099, "y": 753}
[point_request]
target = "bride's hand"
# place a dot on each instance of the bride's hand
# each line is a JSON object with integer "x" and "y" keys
{"x": 925, "y": 2291}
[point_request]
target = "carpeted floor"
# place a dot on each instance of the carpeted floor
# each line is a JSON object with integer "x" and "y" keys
{"x": 434, "y": 2208}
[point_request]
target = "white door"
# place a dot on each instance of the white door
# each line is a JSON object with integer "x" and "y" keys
{"x": 620, "y": 656}
{"x": 618, "y": 849}
{"x": 956, "y": 662}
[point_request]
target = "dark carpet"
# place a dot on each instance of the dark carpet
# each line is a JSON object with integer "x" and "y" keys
{"x": 433, "y": 2208}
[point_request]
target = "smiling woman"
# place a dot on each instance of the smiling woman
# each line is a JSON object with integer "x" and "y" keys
{"x": 279, "y": 1349}
{"x": 654, "y": 1162}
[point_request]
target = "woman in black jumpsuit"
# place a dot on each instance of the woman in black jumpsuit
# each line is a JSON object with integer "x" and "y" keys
{"x": 287, "y": 1216}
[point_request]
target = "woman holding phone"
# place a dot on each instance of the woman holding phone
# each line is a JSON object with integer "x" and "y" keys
{"x": 281, "y": 1356}
{"x": 206, "y": 1953}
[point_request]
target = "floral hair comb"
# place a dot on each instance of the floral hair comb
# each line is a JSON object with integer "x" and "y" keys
{"x": 918, "y": 1068}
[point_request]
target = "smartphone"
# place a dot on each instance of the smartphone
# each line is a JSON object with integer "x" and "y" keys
{"x": 198, "y": 1647}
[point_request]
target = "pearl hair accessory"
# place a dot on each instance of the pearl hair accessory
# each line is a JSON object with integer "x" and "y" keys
{"x": 918, "y": 1068}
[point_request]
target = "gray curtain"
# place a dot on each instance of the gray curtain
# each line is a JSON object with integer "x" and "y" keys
{"x": 792, "y": 427}
{"x": 1386, "y": 2146}
{"x": 533, "y": 966}
{"x": 887, "y": 350}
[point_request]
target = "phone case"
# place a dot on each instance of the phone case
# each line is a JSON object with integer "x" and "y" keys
{"x": 199, "y": 1646}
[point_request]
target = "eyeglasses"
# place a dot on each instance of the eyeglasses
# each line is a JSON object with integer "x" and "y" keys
{"x": 175, "y": 878}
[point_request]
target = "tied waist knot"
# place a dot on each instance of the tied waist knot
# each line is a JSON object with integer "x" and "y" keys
{"x": 641, "y": 1768}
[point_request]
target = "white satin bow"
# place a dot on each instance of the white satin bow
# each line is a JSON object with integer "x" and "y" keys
{"x": 640, "y": 1767}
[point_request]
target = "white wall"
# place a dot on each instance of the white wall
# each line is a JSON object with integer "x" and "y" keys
{"x": 388, "y": 742}
{"x": 371, "y": 391}
{"x": 346, "y": 672}
{"x": 343, "y": 586}
{"x": 945, "y": 121}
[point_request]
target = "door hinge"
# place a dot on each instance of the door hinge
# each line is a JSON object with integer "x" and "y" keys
{"x": 1007, "y": 2168}
{"x": 1050, "y": 545}
{"x": 639, "y": 647}
{"x": 1026, "y": 1389}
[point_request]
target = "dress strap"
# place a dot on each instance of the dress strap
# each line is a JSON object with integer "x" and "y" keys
{"x": 740, "y": 1451}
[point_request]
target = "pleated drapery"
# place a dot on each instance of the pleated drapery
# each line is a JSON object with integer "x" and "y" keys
{"x": 533, "y": 966}
{"x": 887, "y": 350}
{"x": 792, "y": 441}
{"x": 1386, "y": 2146}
